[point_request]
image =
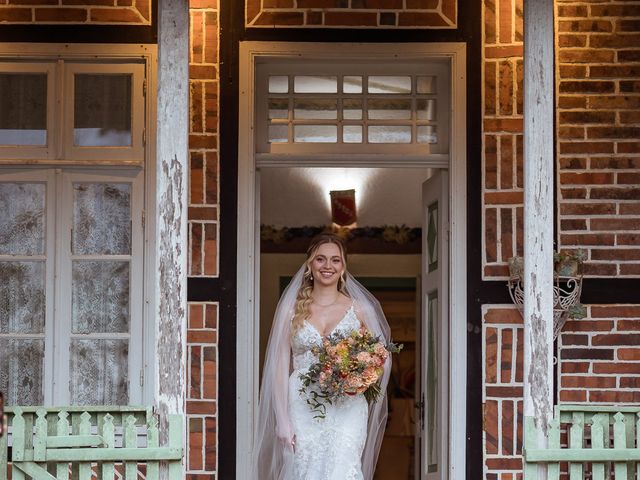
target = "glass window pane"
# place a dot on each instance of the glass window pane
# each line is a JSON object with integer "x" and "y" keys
{"x": 22, "y": 218}
{"x": 316, "y": 133}
{"x": 352, "y": 84}
{"x": 23, "y": 109}
{"x": 389, "y": 109}
{"x": 426, "y": 109}
{"x": 315, "y": 84}
{"x": 352, "y": 134}
{"x": 99, "y": 372}
{"x": 278, "y": 133}
{"x": 22, "y": 297}
{"x": 21, "y": 370}
{"x": 278, "y": 84}
{"x": 389, "y": 134}
{"x": 102, "y": 110}
{"x": 352, "y": 109}
{"x": 315, "y": 108}
{"x": 389, "y": 84}
{"x": 100, "y": 296}
{"x": 427, "y": 134}
{"x": 278, "y": 108}
{"x": 101, "y": 219}
{"x": 426, "y": 84}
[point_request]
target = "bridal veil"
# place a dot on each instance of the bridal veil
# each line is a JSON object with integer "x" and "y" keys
{"x": 271, "y": 457}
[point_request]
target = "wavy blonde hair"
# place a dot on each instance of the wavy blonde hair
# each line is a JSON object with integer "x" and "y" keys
{"x": 304, "y": 299}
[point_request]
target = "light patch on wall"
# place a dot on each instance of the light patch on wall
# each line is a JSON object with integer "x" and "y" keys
{"x": 295, "y": 197}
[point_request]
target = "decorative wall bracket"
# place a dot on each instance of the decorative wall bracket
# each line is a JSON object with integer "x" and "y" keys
{"x": 567, "y": 287}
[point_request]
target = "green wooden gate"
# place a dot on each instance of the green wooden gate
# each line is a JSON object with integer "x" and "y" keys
{"x": 596, "y": 442}
{"x": 85, "y": 442}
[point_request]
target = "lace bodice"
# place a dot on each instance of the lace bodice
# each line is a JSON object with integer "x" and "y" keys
{"x": 308, "y": 337}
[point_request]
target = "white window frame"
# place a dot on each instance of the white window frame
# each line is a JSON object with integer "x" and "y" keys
{"x": 60, "y": 66}
{"x": 249, "y": 163}
{"x": 30, "y": 164}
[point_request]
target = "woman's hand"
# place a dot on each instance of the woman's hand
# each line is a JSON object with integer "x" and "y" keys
{"x": 287, "y": 438}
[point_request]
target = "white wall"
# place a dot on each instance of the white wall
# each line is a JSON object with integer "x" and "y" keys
{"x": 295, "y": 197}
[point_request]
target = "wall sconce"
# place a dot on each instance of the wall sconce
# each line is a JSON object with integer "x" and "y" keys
{"x": 343, "y": 207}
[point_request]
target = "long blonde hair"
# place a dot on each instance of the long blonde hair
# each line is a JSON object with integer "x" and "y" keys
{"x": 304, "y": 299}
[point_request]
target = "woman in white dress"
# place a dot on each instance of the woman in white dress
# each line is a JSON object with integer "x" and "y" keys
{"x": 291, "y": 443}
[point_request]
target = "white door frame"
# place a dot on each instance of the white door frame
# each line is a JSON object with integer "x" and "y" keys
{"x": 248, "y": 222}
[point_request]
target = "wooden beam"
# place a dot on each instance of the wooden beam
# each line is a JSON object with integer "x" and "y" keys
{"x": 538, "y": 216}
{"x": 171, "y": 210}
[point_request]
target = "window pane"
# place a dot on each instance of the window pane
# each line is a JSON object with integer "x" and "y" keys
{"x": 100, "y": 296}
{"x": 98, "y": 372}
{"x": 427, "y": 134}
{"x": 426, "y": 109}
{"x": 23, "y": 109}
{"x": 101, "y": 219}
{"x": 389, "y": 109}
{"x": 278, "y": 108}
{"x": 22, "y": 297}
{"x": 278, "y": 133}
{"x": 22, "y": 218}
{"x": 21, "y": 370}
{"x": 352, "y": 109}
{"x": 316, "y": 133}
{"x": 389, "y": 134}
{"x": 389, "y": 84}
{"x": 352, "y": 84}
{"x": 315, "y": 108}
{"x": 426, "y": 84}
{"x": 315, "y": 84}
{"x": 352, "y": 134}
{"x": 102, "y": 110}
{"x": 278, "y": 84}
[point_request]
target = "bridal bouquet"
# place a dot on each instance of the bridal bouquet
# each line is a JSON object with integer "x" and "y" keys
{"x": 347, "y": 365}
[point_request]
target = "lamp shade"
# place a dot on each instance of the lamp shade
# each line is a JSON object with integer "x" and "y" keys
{"x": 343, "y": 207}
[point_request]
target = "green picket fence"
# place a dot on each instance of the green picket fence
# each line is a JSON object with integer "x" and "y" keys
{"x": 595, "y": 442}
{"x": 81, "y": 443}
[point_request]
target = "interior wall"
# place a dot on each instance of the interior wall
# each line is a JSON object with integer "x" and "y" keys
{"x": 297, "y": 197}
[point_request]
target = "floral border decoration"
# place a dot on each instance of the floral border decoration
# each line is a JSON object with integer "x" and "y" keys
{"x": 400, "y": 234}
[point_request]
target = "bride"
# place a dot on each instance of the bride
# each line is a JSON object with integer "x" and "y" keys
{"x": 290, "y": 442}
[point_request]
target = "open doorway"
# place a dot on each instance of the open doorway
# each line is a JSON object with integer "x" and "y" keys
{"x": 384, "y": 253}
{"x": 280, "y": 128}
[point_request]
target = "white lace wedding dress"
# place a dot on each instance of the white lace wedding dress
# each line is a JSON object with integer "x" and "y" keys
{"x": 327, "y": 448}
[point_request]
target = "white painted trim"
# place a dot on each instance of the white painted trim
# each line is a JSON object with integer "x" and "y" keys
{"x": 247, "y": 329}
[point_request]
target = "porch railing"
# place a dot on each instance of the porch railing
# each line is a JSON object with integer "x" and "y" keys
{"x": 584, "y": 441}
{"x": 84, "y": 442}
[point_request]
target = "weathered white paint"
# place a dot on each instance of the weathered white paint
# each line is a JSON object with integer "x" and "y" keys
{"x": 248, "y": 327}
{"x": 538, "y": 213}
{"x": 171, "y": 202}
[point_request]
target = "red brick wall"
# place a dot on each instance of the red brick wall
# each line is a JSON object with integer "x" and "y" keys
{"x": 600, "y": 356}
{"x": 599, "y": 363}
{"x": 598, "y": 95}
{"x": 129, "y": 12}
{"x": 202, "y": 335}
{"x": 502, "y": 134}
{"x": 352, "y": 13}
{"x": 599, "y": 133}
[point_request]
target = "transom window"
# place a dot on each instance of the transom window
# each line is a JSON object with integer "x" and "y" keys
{"x": 345, "y": 108}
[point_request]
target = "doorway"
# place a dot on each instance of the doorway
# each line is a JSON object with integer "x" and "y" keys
{"x": 253, "y": 162}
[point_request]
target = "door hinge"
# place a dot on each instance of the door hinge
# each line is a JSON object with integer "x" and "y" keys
{"x": 142, "y": 377}
{"x": 144, "y": 87}
{"x": 143, "y": 219}
{"x": 144, "y": 136}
